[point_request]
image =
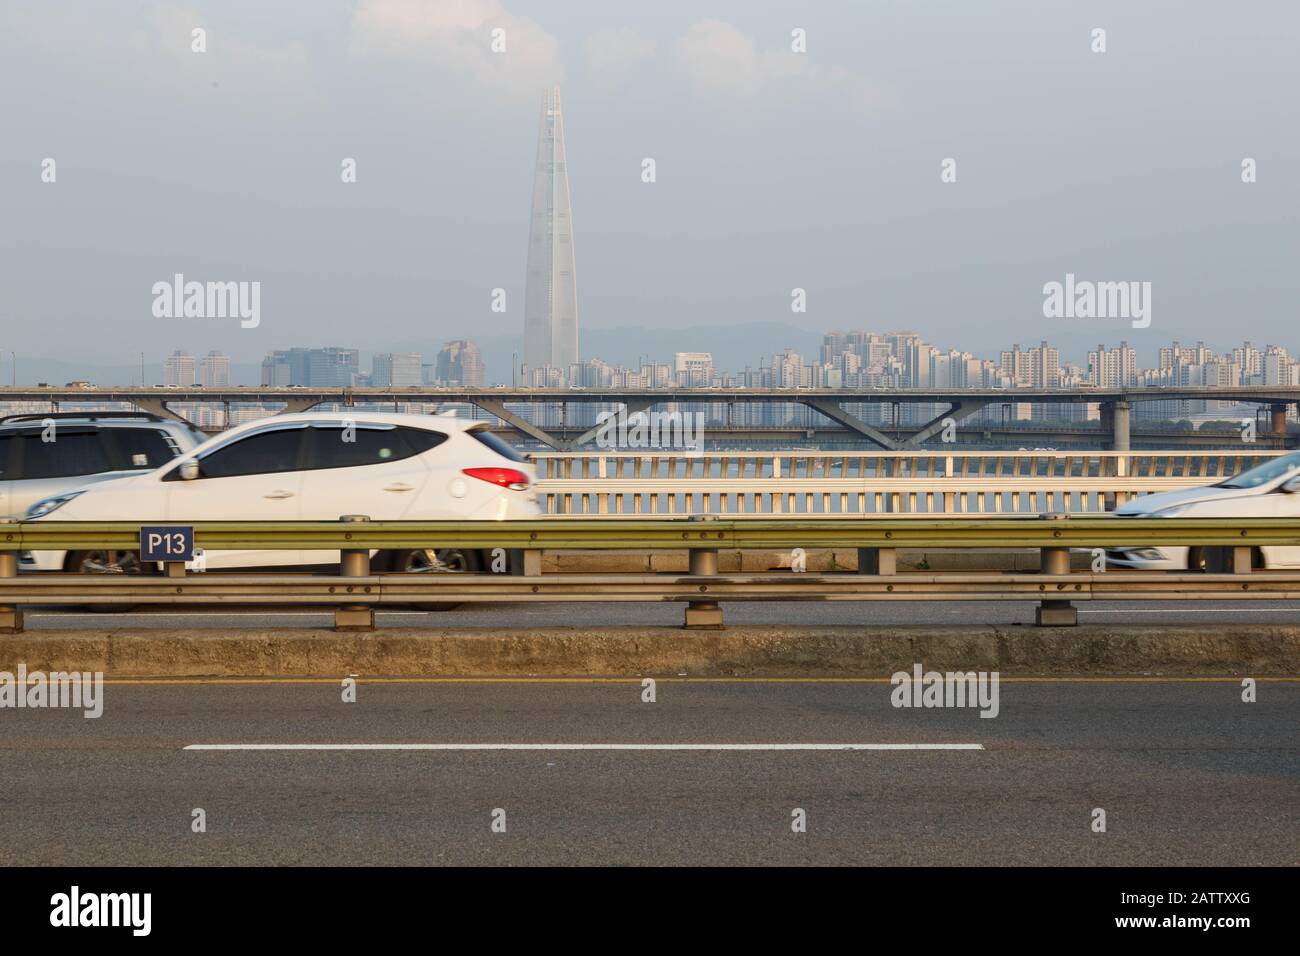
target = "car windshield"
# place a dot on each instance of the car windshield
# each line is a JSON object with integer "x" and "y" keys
{"x": 1263, "y": 474}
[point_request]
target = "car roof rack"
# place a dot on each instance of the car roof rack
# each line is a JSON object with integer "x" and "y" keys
{"x": 88, "y": 416}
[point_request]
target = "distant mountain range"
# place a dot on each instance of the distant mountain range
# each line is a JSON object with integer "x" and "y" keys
{"x": 733, "y": 347}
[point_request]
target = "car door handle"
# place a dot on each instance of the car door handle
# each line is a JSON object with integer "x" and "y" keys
{"x": 399, "y": 486}
{"x": 279, "y": 493}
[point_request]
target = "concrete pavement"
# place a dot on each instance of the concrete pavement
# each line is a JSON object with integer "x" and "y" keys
{"x": 1186, "y": 772}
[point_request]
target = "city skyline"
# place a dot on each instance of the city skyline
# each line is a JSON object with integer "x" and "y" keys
{"x": 851, "y": 359}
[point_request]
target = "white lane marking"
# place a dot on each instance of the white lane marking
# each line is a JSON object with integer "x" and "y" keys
{"x": 584, "y": 747}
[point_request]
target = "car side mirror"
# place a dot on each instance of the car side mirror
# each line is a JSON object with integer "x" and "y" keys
{"x": 1291, "y": 485}
{"x": 189, "y": 470}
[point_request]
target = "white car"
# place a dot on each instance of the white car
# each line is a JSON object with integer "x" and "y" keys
{"x": 1270, "y": 490}
{"x": 311, "y": 466}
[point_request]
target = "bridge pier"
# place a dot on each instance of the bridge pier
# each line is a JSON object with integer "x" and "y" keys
{"x": 1279, "y": 410}
{"x": 1116, "y": 416}
{"x": 1117, "y": 419}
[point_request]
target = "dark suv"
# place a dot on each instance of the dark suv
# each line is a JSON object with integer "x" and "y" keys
{"x": 42, "y": 455}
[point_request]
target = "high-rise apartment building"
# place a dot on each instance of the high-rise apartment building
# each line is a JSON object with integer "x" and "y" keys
{"x": 214, "y": 370}
{"x": 693, "y": 369}
{"x": 178, "y": 369}
{"x": 1113, "y": 368}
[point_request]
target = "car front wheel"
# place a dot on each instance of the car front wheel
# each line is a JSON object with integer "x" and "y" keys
{"x": 107, "y": 562}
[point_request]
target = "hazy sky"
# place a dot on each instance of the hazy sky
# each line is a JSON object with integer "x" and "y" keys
{"x": 775, "y": 169}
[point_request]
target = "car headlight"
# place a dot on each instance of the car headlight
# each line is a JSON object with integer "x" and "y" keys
{"x": 1146, "y": 554}
{"x": 49, "y": 505}
{"x": 1173, "y": 512}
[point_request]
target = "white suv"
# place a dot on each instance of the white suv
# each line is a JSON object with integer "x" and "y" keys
{"x": 312, "y": 466}
{"x": 43, "y": 455}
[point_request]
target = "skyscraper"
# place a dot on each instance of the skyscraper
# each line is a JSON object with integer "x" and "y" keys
{"x": 459, "y": 363}
{"x": 551, "y": 294}
{"x": 396, "y": 368}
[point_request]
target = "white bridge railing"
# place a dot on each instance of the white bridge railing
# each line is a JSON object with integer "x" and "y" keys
{"x": 957, "y": 482}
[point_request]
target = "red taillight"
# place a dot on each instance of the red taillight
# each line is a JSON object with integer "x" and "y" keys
{"x": 510, "y": 478}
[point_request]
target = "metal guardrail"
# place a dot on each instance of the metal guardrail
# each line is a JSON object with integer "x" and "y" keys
{"x": 356, "y": 591}
{"x": 954, "y": 482}
{"x": 587, "y": 533}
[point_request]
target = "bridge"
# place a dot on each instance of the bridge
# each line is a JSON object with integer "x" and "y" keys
{"x": 1116, "y": 404}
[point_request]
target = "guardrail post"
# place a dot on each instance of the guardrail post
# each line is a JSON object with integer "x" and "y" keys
{"x": 1055, "y": 612}
{"x": 11, "y": 617}
{"x": 1241, "y": 559}
{"x": 703, "y": 615}
{"x": 354, "y": 563}
{"x": 532, "y": 562}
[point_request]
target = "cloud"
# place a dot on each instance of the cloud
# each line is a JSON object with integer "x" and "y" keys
{"x": 721, "y": 64}
{"x": 453, "y": 39}
{"x": 611, "y": 52}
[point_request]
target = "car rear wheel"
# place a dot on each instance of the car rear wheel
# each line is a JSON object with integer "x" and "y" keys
{"x": 432, "y": 561}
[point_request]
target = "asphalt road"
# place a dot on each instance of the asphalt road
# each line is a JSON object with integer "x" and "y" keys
{"x": 1186, "y": 772}
{"x": 768, "y": 612}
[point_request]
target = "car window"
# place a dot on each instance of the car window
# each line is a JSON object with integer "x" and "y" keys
{"x": 140, "y": 447}
{"x": 69, "y": 453}
{"x": 497, "y": 444}
{"x": 261, "y": 453}
{"x": 6, "y": 442}
{"x": 1263, "y": 474}
{"x": 336, "y": 446}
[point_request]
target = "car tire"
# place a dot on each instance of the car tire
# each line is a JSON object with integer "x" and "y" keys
{"x": 1219, "y": 560}
{"x": 101, "y": 561}
{"x": 421, "y": 561}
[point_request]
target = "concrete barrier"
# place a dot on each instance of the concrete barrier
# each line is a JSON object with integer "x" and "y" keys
{"x": 770, "y": 651}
